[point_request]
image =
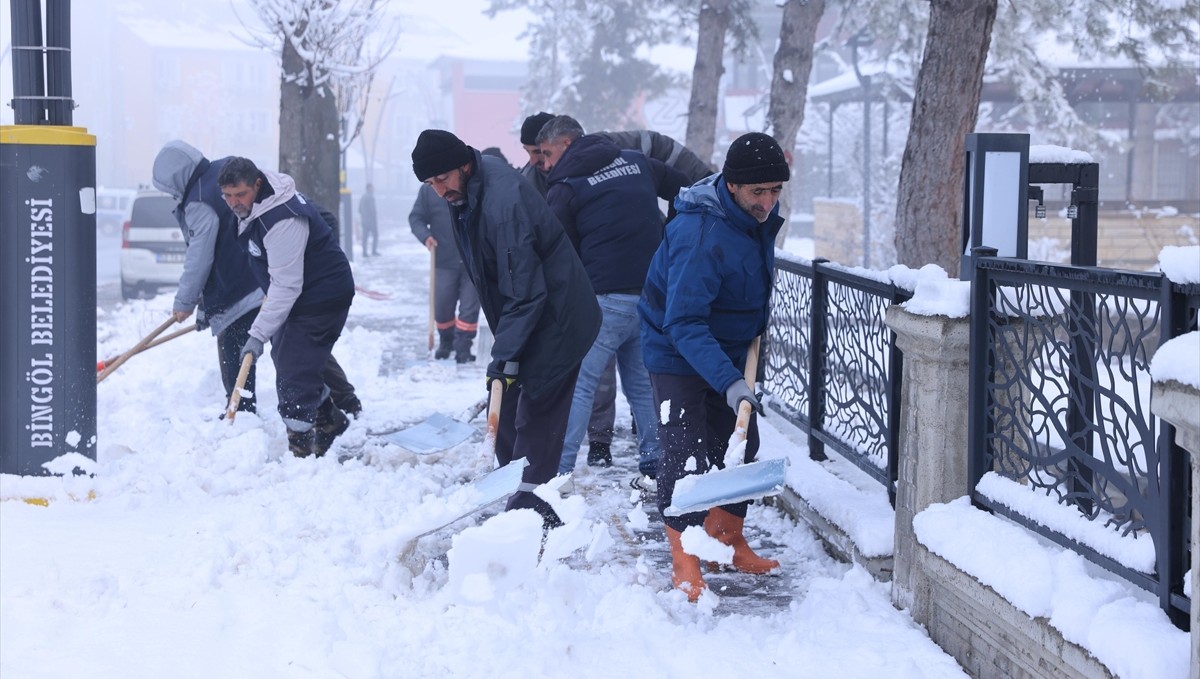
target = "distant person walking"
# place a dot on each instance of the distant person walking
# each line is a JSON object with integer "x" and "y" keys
{"x": 534, "y": 292}
{"x": 216, "y": 282}
{"x": 706, "y": 298}
{"x": 370, "y": 223}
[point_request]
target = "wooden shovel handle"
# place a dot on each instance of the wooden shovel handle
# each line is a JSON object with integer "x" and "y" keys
{"x": 495, "y": 398}
{"x": 432, "y": 295}
{"x": 145, "y": 341}
{"x": 161, "y": 340}
{"x": 236, "y": 397}
{"x": 744, "y": 409}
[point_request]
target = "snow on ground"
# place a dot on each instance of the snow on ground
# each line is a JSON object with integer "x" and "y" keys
{"x": 206, "y": 550}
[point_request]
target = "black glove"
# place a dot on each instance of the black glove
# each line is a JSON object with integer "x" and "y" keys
{"x": 740, "y": 391}
{"x": 502, "y": 370}
{"x": 201, "y": 320}
{"x": 253, "y": 346}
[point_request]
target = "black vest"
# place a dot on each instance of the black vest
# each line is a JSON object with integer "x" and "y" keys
{"x": 230, "y": 278}
{"x": 328, "y": 281}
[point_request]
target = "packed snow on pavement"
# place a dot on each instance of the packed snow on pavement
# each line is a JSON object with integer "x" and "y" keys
{"x": 200, "y": 548}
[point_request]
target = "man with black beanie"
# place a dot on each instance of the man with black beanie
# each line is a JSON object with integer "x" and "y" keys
{"x": 532, "y": 289}
{"x": 705, "y": 300}
{"x": 535, "y": 170}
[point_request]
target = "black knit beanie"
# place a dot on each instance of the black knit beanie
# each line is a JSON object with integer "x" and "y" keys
{"x": 438, "y": 152}
{"x": 532, "y": 125}
{"x": 755, "y": 158}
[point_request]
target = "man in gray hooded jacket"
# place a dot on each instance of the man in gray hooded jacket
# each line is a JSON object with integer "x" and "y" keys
{"x": 216, "y": 276}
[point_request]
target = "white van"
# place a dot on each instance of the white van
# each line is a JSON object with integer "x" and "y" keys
{"x": 152, "y": 247}
{"x": 112, "y": 209}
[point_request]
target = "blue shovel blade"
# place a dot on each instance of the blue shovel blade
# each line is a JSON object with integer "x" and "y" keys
{"x": 437, "y": 432}
{"x": 725, "y": 486}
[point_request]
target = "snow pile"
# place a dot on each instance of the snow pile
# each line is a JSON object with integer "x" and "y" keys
{"x": 1181, "y": 264}
{"x": 934, "y": 292}
{"x": 1118, "y": 624}
{"x": 1179, "y": 360}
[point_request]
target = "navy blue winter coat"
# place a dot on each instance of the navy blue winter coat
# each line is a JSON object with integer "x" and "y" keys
{"x": 708, "y": 291}
{"x": 607, "y": 201}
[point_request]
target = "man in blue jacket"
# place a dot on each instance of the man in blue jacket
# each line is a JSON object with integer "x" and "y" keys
{"x": 607, "y": 201}
{"x": 308, "y": 289}
{"x": 705, "y": 300}
{"x": 534, "y": 292}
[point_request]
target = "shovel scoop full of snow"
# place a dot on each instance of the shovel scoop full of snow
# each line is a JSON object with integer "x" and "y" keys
{"x": 718, "y": 487}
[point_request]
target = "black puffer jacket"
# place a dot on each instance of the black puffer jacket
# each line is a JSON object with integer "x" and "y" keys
{"x": 532, "y": 286}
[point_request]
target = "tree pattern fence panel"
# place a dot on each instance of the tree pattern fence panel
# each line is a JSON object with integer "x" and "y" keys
{"x": 789, "y": 342}
{"x": 1062, "y": 436}
{"x": 832, "y": 366}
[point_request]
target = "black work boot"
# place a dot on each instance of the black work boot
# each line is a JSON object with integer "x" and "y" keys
{"x": 349, "y": 405}
{"x": 463, "y": 339}
{"x": 331, "y": 423}
{"x": 445, "y": 345}
{"x": 302, "y": 443}
{"x": 599, "y": 454}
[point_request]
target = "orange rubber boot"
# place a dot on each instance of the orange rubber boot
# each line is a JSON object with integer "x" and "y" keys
{"x": 685, "y": 568}
{"x": 727, "y": 529}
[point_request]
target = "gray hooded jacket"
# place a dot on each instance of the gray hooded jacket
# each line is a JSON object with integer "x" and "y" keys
{"x": 173, "y": 170}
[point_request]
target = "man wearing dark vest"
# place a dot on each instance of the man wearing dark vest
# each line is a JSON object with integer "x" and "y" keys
{"x": 308, "y": 286}
{"x": 215, "y": 278}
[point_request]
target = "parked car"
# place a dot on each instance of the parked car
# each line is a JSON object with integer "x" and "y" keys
{"x": 112, "y": 209}
{"x": 152, "y": 246}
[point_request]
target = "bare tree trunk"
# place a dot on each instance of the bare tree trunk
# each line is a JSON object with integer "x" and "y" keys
{"x": 706, "y": 78}
{"x": 945, "y": 109}
{"x": 308, "y": 133}
{"x": 789, "y": 83}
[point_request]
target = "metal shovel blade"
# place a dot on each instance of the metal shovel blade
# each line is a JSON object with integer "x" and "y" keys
{"x": 491, "y": 487}
{"x": 725, "y": 486}
{"x": 436, "y": 433}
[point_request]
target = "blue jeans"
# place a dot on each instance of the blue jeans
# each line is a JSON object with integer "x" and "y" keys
{"x": 620, "y": 335}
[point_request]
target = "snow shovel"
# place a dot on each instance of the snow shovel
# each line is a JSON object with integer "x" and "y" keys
{"x": 137, "y": 348}
{"x": 236, "y": 397}
{"x": 736, "y": 482}
{"x": 475, "y": 496}
{"x": 101, "y": 365}
{"x": 437, "y": 432}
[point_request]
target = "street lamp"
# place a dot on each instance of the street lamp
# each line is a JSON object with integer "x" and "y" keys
{"x": 864, "y": 39}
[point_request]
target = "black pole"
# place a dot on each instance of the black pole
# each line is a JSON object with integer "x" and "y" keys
{"x": 47, "y": 256}
{"x": 29, "y": 81}
{"x": 59, "y": 105}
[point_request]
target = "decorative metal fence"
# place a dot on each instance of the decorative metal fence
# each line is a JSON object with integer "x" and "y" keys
{"x": 1062, "y": 439}
{"x": 833, "y": 368}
